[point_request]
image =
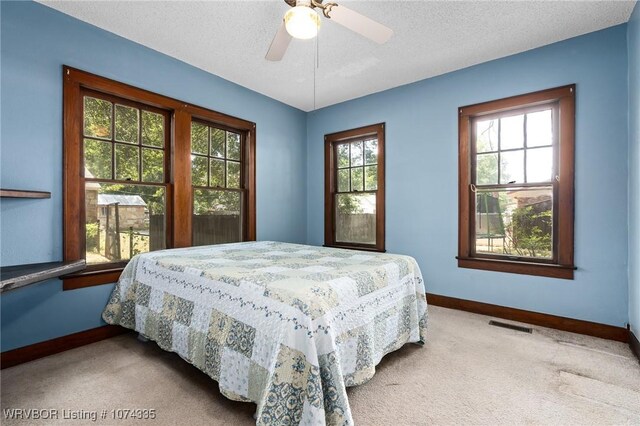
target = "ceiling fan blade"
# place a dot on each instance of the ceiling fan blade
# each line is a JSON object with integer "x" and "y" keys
{"x": 279, "y": 44}
{"x": 360, "y": 24}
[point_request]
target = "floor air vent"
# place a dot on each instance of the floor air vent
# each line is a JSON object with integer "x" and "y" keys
{"x": 511, "y": 326}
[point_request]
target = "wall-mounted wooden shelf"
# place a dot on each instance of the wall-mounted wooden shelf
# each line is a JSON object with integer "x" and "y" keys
{"x": 19, "y": 193}
{"x": 17, "y": 276}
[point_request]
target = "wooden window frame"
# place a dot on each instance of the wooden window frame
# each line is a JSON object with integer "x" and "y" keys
{"x": 245, "y": 172}
{"x": 115, "y": 100}
{"x": 330, "y": 189}
{"x": 179, "y": 190}
{"x": 562, "y": 265}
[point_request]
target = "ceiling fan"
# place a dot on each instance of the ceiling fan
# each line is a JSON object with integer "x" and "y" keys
{"x": 302, "y": 21}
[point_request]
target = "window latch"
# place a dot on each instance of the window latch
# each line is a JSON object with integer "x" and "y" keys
{"x": 473, "y": 187}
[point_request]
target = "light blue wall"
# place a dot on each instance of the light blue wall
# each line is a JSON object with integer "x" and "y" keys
{"x": 633, "y": 40}
{"x": 421, "y": 164}
{"x": 36, "y": 41}
{"x": 422, "y": 173}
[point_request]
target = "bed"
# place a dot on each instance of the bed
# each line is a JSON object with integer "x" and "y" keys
{"x": 285, "y": 326}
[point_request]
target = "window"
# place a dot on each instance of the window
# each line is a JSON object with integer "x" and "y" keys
{"x": 516, "y": 184}
{"x": 219, "y": 184}
{"x": 145, "y": 172}
{"x": 125, "y": 177}
{"x": 354, "y": 188}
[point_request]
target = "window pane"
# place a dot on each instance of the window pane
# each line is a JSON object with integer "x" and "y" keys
{"x": 97, "y": 158}
{"x": 123, "y": 220}
{"x": 233, "y": 146}
{"x": 371, "y": 178}
{"x": 539, "y": 128}
{"x": 343, "y": 155}
{"x": 540, "y": 164}
{"x": 126, "y": 124}
{"x": 127, "y": 162}
{"x": 487, "y": 169}
{"x": 233, "y": 174}
{"x": 216, "y": 217}
{"x": 217, "y": 173}
{"x": 356, "y": 154}
{"x": 343, "y": 180}
{"x": 199, "y": 170}
{"x": 152, "y": 165}
{"x": 512, "y": 132}
{"x": 486, "y": 135}
{"x": 97, "y": 117}
{"x": 357, "y": 179}
{"x": 152, "y": 129}
{"x": 356, "y": 218}
{"x": 371, "y": 152}
{"x": 517, "y": 222}
{"x": 512, "y": 166}
{"x": 217, "y": 143}
{"x": 199, "y": 138}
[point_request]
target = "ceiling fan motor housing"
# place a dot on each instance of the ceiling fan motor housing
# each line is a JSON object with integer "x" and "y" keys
{"x": 294, "y": 3}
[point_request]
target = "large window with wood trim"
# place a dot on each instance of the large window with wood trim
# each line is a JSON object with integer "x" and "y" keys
{"x": 146, "y": 172}
{"x": 354, "y": 188}
{"x": 516, "y": 184}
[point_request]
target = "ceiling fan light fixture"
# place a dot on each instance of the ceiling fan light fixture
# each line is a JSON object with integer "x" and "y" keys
{"x": 302, "y": 22}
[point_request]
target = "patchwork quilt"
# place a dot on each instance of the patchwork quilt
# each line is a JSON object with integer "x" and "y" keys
{"x": 285, "y": 326}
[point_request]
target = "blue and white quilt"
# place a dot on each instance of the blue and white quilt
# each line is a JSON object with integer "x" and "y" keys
{"x": 285, "y": 326}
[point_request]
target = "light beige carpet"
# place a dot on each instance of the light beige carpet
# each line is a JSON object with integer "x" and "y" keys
{"x": 468, "y": 373}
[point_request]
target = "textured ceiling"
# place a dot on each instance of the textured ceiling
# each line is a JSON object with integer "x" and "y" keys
{"x": 230, "y": 39}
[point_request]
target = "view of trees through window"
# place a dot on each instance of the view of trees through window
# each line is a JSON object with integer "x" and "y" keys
{"x": 146, "y": 172}
{"x": 217, "y": 179}
{"x": 514, "y": 174}
{"x": 124, "y": 170}
{"x": 357, "y": 181}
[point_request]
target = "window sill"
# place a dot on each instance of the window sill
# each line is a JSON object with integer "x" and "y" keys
{"x": 90, "y": 278}
{"x": 350, "y": 247}
{"x": 516, "y": 267}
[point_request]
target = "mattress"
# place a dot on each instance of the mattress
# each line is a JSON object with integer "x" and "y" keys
{"x": 285, "y": 326}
